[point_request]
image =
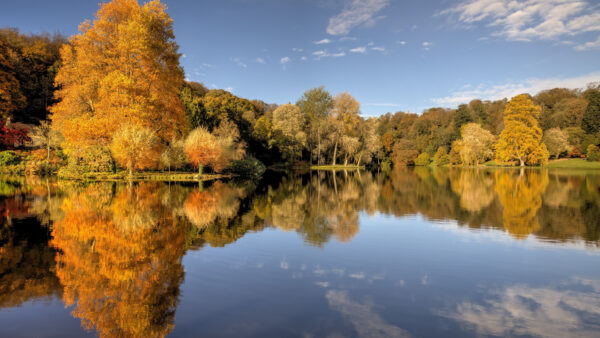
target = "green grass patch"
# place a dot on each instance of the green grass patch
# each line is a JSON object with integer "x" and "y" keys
{"x": 575, "y": 163}
{"x": 337, "y": 167}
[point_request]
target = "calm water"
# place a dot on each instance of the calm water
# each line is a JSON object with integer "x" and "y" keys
{"x": 413, "y": 253}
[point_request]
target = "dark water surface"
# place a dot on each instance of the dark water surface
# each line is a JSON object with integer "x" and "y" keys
{"x": 423, "y": 253}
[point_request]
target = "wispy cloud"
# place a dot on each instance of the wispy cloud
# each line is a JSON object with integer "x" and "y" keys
{"x": 322, "y": 42}
{"x": 348, "y": 38}
{"x": 426, "y": 45}
{"x": 530, "y": 19}
{"x": 285, "y": 60}
{"x": 260, "y": 60}
{"x": 358, "y": 50}
{"x": 509, "y": 90}
{"x": 297, "y": 50}
{"x": 383, "y": 104}
{"x": 238, "y": 62}
{"x": 323, "y": 53}
{"x": 355, "y": 13}
{"x": 589, "y": 45}
{"x": 402, "y": 42}
{"x": 378, "y": 49}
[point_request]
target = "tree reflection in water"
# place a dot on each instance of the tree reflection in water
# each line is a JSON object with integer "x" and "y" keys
{"x": 116, "y": 250}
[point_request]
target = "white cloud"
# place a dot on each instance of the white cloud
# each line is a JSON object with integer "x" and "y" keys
{"x": 529, "y": 19}
{"x": 509, "y": 90}
{"x": 371, "y": 43}
{"x": 304, "y": 58}
{"x": 402, "y": 43}
{"x": 379, "y": 49}
{"x": 298, "y": 50}
{"x": 260, "y": 60}
{"x": 589, "y": 45}
{"x": 426, "y": 44}
{"x": 355, "y": 13}
{"x": 348, "y": 38}
{"x": 285, "y": 60}
{"x": 323, "y": 53}
{"x": 321, "y": 42}
{"x": 239, "y": 62}
{"x": 358, "y": 50}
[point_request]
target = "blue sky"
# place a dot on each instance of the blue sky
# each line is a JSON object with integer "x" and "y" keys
{"x": 390, "y": 54}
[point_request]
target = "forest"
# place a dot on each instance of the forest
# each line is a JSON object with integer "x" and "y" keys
{"x": 114, "y": 98}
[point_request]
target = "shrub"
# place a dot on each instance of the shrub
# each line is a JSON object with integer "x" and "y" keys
{"x": 593, "y": 153}
{"x": 441, "y": 157}
{"x": 248, "y": 167}
{"x": 9, "y": 158}
{"x": 386, "y": 165}
{"x": 422, "y": 160}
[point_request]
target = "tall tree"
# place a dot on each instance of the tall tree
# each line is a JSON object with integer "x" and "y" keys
{"x": 591, "y": 118}
{"x": 11, "y": 98}
{"x": 288, "y": 120}
{"x": 345, "y": 120}
{"x": 461, "y": 117}
{"x": 315, "y": 103}
{"x": 476, "y": 144}
{"x": 122, "y": 69}
{"x": 557, "y": 141}
{"x": 521, "y": 138}
{"x": 135, "y": 148}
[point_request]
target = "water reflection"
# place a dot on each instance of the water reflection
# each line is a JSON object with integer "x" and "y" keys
{"x": 113, "y": 252}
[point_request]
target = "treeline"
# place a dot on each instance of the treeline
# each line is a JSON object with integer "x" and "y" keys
{"x": 113, "y": 97}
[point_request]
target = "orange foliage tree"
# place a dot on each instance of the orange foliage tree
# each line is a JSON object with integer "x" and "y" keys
{"x": 135, "y": 148}
{"x": 123, "y": 68}
{"x": 202, "y": 148}
{"x": 120, "y": 260}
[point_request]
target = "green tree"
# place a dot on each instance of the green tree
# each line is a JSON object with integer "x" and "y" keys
{"x": 557, "y": 141}
{"x": 288, "y": 120}
{"x": 521, "y": 138}
{"x": 591, "y": 118}
{"x": 461, "y": 117}
{"x": 315, "y": 103}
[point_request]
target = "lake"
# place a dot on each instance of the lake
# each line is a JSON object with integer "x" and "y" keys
{"x": 412, "y": 253}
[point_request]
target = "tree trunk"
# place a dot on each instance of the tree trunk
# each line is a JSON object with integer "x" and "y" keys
{"x": 200, "y": 167}
{"x": 48, "y": 154}
{"x": 334, "y": 154}
{"x": 522, "y": 163}
{"x": 130, "y": 170}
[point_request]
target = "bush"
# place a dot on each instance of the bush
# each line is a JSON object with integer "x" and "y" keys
{"x": 593, "y": 153}
{"x": 247, "y": 167}
{"x": 422, "y": 160}
{"x": 88, "y": 160}
{"x": 386, "y": 165}
{"x": 9, "y": 158}
{"x": 441, "y": 157}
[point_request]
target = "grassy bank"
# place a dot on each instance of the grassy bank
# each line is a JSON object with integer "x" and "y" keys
{"x": 149, "y": 176}
{"x": 575, "y": 163}
{"x": 336, "y": 167}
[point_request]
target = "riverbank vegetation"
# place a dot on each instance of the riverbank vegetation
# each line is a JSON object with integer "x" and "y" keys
{"x": 114, "y": 97}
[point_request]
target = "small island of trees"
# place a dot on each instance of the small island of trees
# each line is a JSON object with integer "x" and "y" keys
{"x": 113, "y": 99}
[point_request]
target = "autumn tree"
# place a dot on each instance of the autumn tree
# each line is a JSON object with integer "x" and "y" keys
{"x": 201, "y": 148}
{"x": 404, "y": 153}
{"x": 288, "y": 120}
{"x": 591, "y": 118}
{"x": 46, "y": 136}
{"x": 461, "y": 117}
{"x": 315, "y": 104}
{"x": 344, "y": 120}
{"x": 475, "y": 145}
{"x": 521, "y": 138}
{"x": 122, "y": 69}
{"x": 135, "y": 147}
{"x": 11, "y": 97}
{"x": 557, "y": 141}
{"x": 230, "y": 146}
{"x": 173, "y": 155}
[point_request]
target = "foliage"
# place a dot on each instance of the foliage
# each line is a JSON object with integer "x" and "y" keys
{"x": 135, "y": 148}
{"x": 591, "y": 118}
{"x": 422, "y": 160}
{"x": 9, "y": 158}
{"x": 557, "y": 142}
{"x": 202, "y": 148}
{"x": 521, "y": 138}
{"x": 593, "y": 153}
{"x": 288, "y": 123}
{"x": 249, "y": 166}
{"x": 475, "y": 145}
{"x": 123, "y": 69}
{"x": 441, "y": 157}
{"x": 87, "y": 160}
{"x": 404, "y": 153}
{"x": 173, "y": 156}
{"x": 315, "y": 104}
{"x": 11, "y": 138}
{"x": 28, "y": 65}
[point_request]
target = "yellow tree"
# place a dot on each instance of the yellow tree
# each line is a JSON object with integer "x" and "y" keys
{"x": 135, "y": 148}
{"x": 123, "y": 68}
{"x": 344, "y": 120}
{"x": 521, "y": 139}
